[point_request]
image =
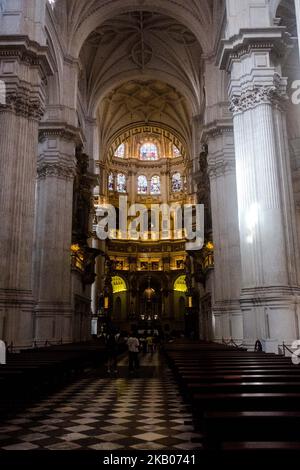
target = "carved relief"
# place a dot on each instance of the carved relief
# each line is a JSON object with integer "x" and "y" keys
{"x": 274, "y": 95}
{"x": 23, "y": 102}
{"x": 46, "y": 170}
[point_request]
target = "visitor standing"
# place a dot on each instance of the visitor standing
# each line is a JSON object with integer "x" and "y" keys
{"x": 133, "y": 344}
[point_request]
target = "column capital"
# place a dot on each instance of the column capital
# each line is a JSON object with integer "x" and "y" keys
{"x": 217, "y": 168}
{"x": 58, "y": 143}
{"x": 24, "y": 68}
{"x": 23, "y": 101}
{"x": 275, "y": 40}
{"x": 254, "y": 95}
{"x": 55, "y": 170}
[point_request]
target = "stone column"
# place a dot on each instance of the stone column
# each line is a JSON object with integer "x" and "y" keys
{"x": 295, "y": 146}
{"x": 218, "y": 135}
{"x": 53, "y": 234}
{"x": 269, "y": 251}
{"x": 227, "y": 286}
{"x": 23, "y": 70}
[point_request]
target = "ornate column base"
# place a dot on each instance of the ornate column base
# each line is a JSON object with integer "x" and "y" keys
{"x": 16, "y": 318}
{"x": 228, "y": 321}
{"x": 53, "y": 323}
{"x": 271, "y": 313}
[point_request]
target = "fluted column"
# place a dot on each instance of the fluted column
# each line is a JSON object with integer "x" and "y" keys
{"x": 228, "y": 320}
{"x": 269, "y": 251}
{"x": 23, "y": 73}
{"x": 295, "y": 146}
{"x": 53, "y": 235}
{"x": 217, "y": 133}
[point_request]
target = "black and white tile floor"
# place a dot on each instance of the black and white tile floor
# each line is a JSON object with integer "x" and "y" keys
{"x": 141, "y": 413}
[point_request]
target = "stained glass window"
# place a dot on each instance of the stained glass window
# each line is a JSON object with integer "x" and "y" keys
{"x": 149, "y": 151}
{"x": 121, "y": 183}
{"x": 155, "y": 184}
{"x": 177, "y": 184}
{"x": 120, "y": 152}
{"x": 111, "y": 182}
{"x": 142, "y": 184}
{"x": 176, "y": 151}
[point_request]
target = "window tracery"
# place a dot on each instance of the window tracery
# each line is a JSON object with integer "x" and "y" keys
{"x": 177, "y": 182}
{"x": 149, "y": 151}
{"x": 121, "y": 183}
{"x": 142, "y": 184}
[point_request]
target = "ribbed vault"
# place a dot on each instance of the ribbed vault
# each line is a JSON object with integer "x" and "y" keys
{"x": 144, "y": 103}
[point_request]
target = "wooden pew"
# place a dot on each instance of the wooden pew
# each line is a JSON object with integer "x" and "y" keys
{"x": 241, "y": 401}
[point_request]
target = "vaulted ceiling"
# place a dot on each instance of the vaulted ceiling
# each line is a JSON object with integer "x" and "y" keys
{"x": 143, "y": 102}
{"x": 142, "y": 67}
{"x": 78, "y": 18}
{"x": 139, "y": 44}
{"x": 141, "y": 60}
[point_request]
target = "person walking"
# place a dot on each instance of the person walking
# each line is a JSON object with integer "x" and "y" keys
{"x": 133, "y": 344}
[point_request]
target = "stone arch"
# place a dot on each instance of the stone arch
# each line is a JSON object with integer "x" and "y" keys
{"x": 122, "y": 135}
{"x": 285, "y": 11}
{"x": 274, "y": 5}
{"x": 54, "y": 82}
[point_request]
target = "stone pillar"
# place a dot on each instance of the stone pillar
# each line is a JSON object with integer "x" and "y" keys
{"x": 269, "y": 251}
{"x": 23, "y": 72}
{"x": 218, "y": 135}
{"x": 53, "y": 234}
{"x": 227, "y": 286}
{"x": 295, "y": 146}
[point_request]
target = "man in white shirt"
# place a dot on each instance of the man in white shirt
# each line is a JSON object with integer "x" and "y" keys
{"x": 133, "y": 351}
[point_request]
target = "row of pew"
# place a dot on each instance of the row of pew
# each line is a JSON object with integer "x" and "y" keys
{"x": 31, "y": 374}
{"x": 241, "y": 401}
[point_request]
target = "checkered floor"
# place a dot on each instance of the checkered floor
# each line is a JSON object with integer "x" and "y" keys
{"x": 111, "y": 413}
